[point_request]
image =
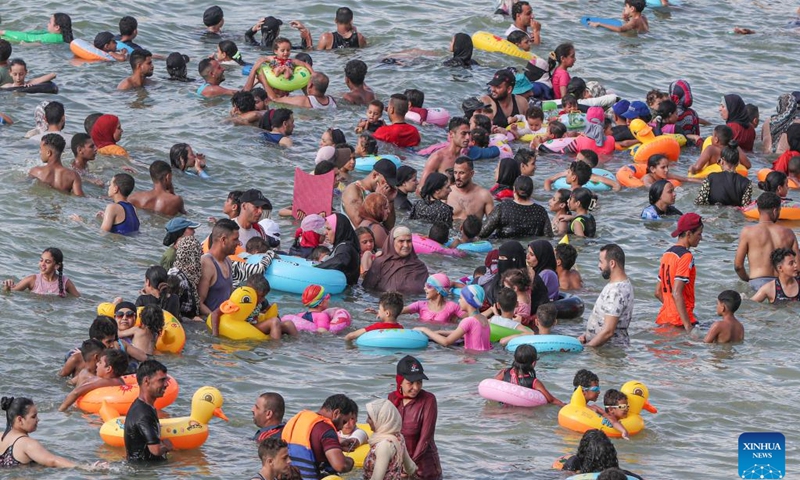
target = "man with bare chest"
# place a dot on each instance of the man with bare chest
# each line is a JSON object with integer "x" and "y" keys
{"x": 441, "y": 160}
{"x": 468, "y": 198}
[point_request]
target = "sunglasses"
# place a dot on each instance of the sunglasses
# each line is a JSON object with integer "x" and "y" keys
{"x": 621, "y": 407}
{"x": 592, "y": 389}
{"x": 128, "y": 314}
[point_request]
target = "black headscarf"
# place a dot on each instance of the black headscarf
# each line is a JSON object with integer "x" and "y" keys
{"x": 347, "y": 249}
{"x": 462, "y": 52}
{"x": 737, "y": 111}
{"x": 511, "y": 255}
{"x": 507, "y": 174}
{"x": 544, "y": 254}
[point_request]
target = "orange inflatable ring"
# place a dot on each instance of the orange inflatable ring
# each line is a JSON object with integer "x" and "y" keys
{"x": 664, "y": 145}
{"x": 631, "y": 176}
{"x": 86, "y": 51}
{"x": 172, "y": 338}
{"x": 762, "y": 177}
{"x": 122, "y": 396}
{"x": 715, "y": 168}
{"x": 790, "y": 210}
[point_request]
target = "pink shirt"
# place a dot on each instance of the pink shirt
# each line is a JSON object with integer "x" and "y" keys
{"x": 476, "y": 336}
{"x": 43, "y": 287}
{"x": 447, "y": 313}
{"x": 560, "y": 79}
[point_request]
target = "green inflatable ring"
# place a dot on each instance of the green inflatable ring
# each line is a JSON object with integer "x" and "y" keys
{"x": 299, "y": 80}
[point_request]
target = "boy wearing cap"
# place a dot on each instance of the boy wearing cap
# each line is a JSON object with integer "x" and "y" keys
{"x": 504, "y": 103}
{"x": 382, "y": 179}
{"x": 677, "y": 273}
{"x": 105, "y": 41}
{"x": 162, "y": 198}
{"x": 399, "y": 132}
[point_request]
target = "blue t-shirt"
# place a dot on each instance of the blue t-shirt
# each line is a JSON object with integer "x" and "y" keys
{"x": 652, "y": 213}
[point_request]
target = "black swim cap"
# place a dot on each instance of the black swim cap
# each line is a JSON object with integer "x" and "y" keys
{"x": 212, "y": 16}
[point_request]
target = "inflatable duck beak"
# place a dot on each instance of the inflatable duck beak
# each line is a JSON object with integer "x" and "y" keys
{"x": 108, "y": 412}
{"x": 650, "y": 408}
{"x": 220, "y": 414}
{"x": 228, "y": 307}
{"x": 564, "y": 240}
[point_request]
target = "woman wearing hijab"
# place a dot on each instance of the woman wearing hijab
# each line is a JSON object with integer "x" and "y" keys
{"x": 520, "y": 217}
{"x": 688, "y": 122}
{"x": 541, "y": 260}
{"x": 593, "y": 137}
{"x": 387, "y": 458}
{"x": 187, "y": 268}
{"x": 792, "y": 150}
{"x": 733, "y": 110}
{"x": 346, "y": 256}
{"x": 773, "y": 133}
{"x": 398, "y": 269}
{"x": 461, "y": 46}
{"x": 418, "y": 410}
{"x": 505, "y": 175}
{"x": 39, "y": 120}
{"x": 105, "y": 133}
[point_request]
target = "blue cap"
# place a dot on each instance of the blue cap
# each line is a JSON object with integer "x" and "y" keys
{"x": 180, "y": 223}
{"x": 523, "y": 84}
{"x": 636, "y": 110}
{"x": 621, "y": 107}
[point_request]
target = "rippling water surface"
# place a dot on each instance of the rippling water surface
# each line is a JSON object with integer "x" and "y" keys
{"x": 706, "y": 395}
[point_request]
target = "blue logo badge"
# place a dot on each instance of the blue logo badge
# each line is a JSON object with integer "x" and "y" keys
{"x": 762, "y": 455}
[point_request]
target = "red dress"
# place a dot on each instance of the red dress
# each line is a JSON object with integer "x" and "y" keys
{"x": 419, "y": 425}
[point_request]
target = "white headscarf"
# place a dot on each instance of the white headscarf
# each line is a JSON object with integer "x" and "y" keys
{"x": 39, "y": 119}
{"x": 387, "y": 424}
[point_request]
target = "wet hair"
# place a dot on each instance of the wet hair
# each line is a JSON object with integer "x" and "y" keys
{"x": 535, "y": 112}
{"x": 204, "y": 67}
{"x": 337, "y": 136}
{"x": 159, "y": 170}
{"x": 752, "y": 111}
{"x": 81, "y": 139}
{"x": 582, "y": 171}
{"x": 138, "y": 57}
{"x": 269, "y": 447}
{"x": 344, "y": 15}
{"x": 157, "y": 276}
{"x": 524, "y": 356}
{"x": 516, "y": 9}
{"x": 392, "y": 302}
{"x": 724, "y": 134}
{"x": 127, "y": 25}
{"x": 507, "y": 299}
{"x": 14, "y": 407}
{"x": 614, "y": 252}
{"x": 91, "y": 347}
{"x": 480, "y": 137}
{"x": 279, "y": 41}
{"x": 731, "y": 299}
{"x": 434, "y": 182}
{"x": 523, "y": 187}
{"x": 117, "y": 360}
{"x": 320, "y": 82}
{"x": 517, "y": 277}
{"x": 483, "y": 121}
{"x": 613, "y": 397}
{"x": 147, "y": 369}
{"x": 103, "y": 327}
{"x": 54, "y": 112}
{"x": 58, "y": 259}
{"x": 229, "y": 48}
{"x": 260, "y": 284}
{"x": 439, "y": 232}
{"x": 584, "y": 378}
{"x": 64, "y": 23}
{"x": 5, "y": 50}
{"x": 563, "y": 196}
{"x": 666, "y": 108}
{"x": 612, "y": 474}
{"x": 304, "y": 57}
{"x": 479, "y": 270}
{"x": 567, "y": 254}
{"x": 524, "y": 156}
{"x": 234, "y": 196}
{"x": 318, "y": 252}
{"x": 280, "y": 117}
{"x": 546, "y": 315}
{"x": 323, "y": 167}
{"x": 454, "y": 122}
{"x": 730, "y": 154}
{"x": 399, "y": 103}
{"x": 244, "y": 101}
{"x": 656, "y": 190}
{"x": 774, "y": 180}
{"x": 637, "y": 5}
{"x": 595, "y": 451}
{"x": 377, "y": 103}
{"x": 590, "y": 156}
{"x": 778, "y": 255}
{"x": 342, "y": 403}
{"x": 125, "y": 183}
{"x": 569, "y": 100}
{"x": 654, "y": 161}
{"x": 371, "y": 146}
{"x": 472, "y": 226}
{"x": 89, "y": 121}
{"x": 256, "y": 245}
{"x": 259, "y": 93}
{"x": 355, "y": 71}
{"x": 416, "y": 97}
{"x": 465, "y": 161}
{"x": 223, "y": 227}
{"x": 583, "y": 196}
{"x": 768, "y": 201}
{"x": 179, "y": 155}
{"x": 577, "y": 87}
{"x": 557, "y": 129}
{"x": 517, "y": 36}
{"x": 18, "y": 61}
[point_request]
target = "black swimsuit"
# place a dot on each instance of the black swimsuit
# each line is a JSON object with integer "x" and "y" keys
{"x": 7, "y": 458}
{"x": 501, "y": 119}
{"x": 340, "y": 42}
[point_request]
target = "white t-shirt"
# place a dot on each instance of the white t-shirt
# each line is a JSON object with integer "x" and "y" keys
{"x": 514, "y": 28}
{"x": 505, "y": 322}
{"x": 246, "y": 234}
{"x": 358, "y": 434}
{"x": 615, "y": 300}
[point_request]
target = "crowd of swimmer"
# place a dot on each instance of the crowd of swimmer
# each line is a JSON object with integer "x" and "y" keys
{"x": 514, "y": 288}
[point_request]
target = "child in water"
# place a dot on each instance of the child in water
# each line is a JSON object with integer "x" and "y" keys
{"x": 559, "y": 206}
{"x": 632, "y": 15}
{"x": 281, "y": 64}
{"x": 110, "y": 367}
{"x": 352, "y": 437}
{"x": 568, "y": 277}
{"x": 144, "y": 337}
{"x": 436, "y": 308}
{"x": 522, "y": 372}
{"x": 590, "y": 384}
{"x": 49, "y": 281}
{"x": 729, "y": 329}
{"x": 228, "y": 53}
{"x": 19, "y": 70}
{"x": 658, "y": 169}
{"x": 474, "y": 328}
{"x": 373, "y": 120}
{"x": 90, "y": 353}
{"x": 615, "y": 405}
{"x": 468, "y": 231}
{"x": 582, "y": 223}
{"x": 390, "y": 306}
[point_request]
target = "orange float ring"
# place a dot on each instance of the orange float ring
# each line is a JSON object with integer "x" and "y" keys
{"x": 662, "y": 145}
{"x": 762, "y": 177}
{"x": 790, "y": 210}
{"x": 121, "y": 397}
{"x": 631, "y": 176}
